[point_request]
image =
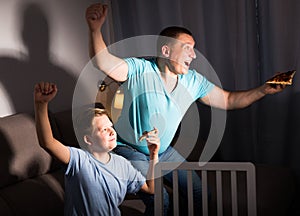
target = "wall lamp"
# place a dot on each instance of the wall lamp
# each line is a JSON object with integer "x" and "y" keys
{"x": 119, "y": 95}
{"x": 102, "y": 84}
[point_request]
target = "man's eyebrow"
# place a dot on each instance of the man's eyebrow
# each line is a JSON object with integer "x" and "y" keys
{"x": 187, "y": 44}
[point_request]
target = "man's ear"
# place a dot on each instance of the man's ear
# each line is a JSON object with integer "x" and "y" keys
{"x": 87, "y": 140}
{"x": 165, "y": 50}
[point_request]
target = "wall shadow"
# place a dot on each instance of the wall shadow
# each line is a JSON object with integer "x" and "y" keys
{"x": 19, "y": 76}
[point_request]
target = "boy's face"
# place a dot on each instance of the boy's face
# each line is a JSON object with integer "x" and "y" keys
{"x": 182, "y": 54}
{"x": 103, "y": 136}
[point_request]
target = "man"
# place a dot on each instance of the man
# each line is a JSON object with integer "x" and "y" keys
{"x": 161, "y": 89}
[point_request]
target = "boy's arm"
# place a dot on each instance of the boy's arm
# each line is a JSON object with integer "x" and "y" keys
{"x": 153, "y": 146}
{"x": 43, "y": 94}
{"x": 111, "y": 65}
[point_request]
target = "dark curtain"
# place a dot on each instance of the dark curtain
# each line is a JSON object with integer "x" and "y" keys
{"x": 279, "y": 116}
{"x": 246, "y": 42}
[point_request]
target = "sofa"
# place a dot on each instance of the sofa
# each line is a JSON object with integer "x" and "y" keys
{"x": 32, "y": 182}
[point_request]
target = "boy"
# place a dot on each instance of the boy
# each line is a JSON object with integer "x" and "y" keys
{"x": 96, "y": 180}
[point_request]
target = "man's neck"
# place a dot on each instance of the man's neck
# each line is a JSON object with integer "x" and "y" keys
{"x": 169, "y": 78}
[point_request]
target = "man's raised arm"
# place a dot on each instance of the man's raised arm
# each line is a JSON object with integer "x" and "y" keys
{"x": 111, "y": 65}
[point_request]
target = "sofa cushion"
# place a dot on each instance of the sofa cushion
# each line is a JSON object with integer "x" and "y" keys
{"x": 43, "y": 195}
{"x": 132, "y": 207}
{"x": 64, "y": 124}
{"x": 21, "y": 156}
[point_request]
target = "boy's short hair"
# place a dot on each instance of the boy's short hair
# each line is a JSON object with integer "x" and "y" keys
{"x": 83, "y": 123}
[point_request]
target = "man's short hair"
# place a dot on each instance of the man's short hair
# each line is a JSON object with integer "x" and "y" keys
{"x": 174, "y": 31}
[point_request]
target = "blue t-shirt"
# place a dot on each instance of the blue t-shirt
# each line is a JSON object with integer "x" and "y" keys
{"x": 148, "y": 104}
{"x": 93, "y": 188}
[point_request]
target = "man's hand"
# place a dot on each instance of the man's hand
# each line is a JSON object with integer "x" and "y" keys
{"x": 95, "y": 16}
{"x": 44, "y": 92}
{"x": 272, "y": 88}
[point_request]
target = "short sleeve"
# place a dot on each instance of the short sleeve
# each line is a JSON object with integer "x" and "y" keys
{"x": 136, "y": 179}
{"x": 196, "y": 84}
{"x": 76, "y": 158}
{"x": 205, "y": 86}
{"x": 135, "y": 66}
